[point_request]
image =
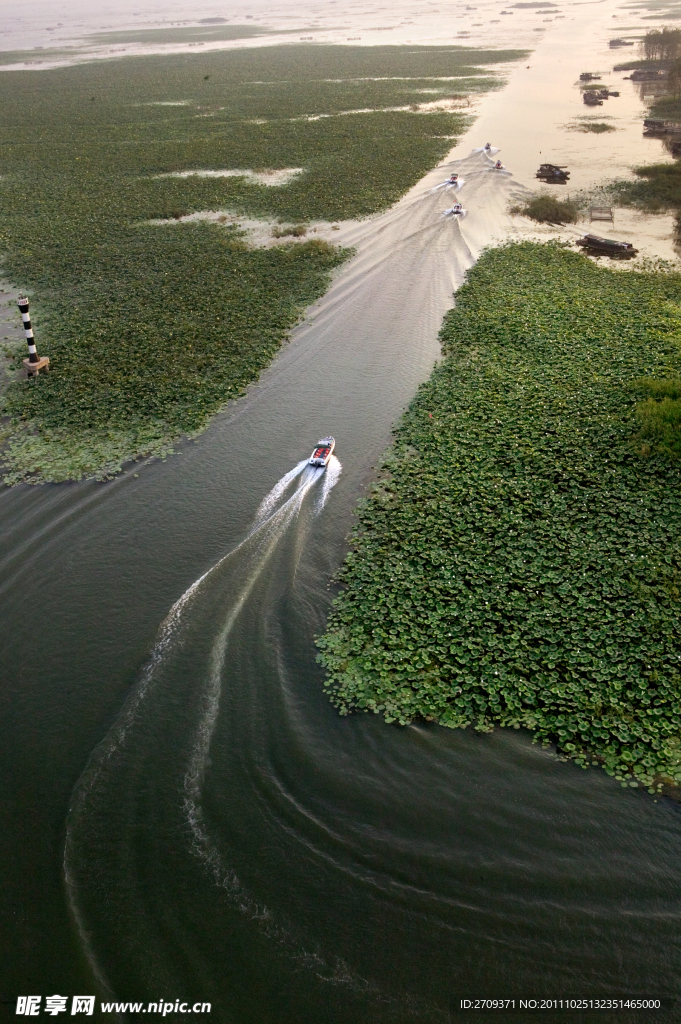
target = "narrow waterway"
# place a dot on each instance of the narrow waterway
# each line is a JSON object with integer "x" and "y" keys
{"x": 187, "y": 817}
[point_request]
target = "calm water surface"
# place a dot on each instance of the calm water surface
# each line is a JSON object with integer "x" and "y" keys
{"x": 185, "y": 815}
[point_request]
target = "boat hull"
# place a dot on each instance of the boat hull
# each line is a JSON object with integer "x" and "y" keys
{"x": 321, "y": 456}
{"x": 607, "y": 245}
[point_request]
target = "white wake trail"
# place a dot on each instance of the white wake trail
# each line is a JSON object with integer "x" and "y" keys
{"x": 269, "y": 526}
{"x": 193, "y": 782}
{"x": 270, "y": 501}
{"x": 331, "y": 478}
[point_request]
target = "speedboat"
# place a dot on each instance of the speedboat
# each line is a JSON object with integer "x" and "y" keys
{"x": 497, "y": 168}
{"x": 323, "y": 452}
{"x": 455, "y": 211}
{"x": 454, "y": 181}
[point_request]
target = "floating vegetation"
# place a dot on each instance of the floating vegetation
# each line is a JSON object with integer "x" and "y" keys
{"x": 658, "y": 188}
{"x": 289, "y": 231}
{"x": 519, "y": 563}
{"x": 660, "y": 417}
{"x": 597, "y": 127}
{"x": 548, "y": 209}
{"x": 150, "y": 331}
{"x": 180, "y": 34}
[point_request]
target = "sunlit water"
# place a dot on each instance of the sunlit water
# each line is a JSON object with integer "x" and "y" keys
{"x": 186, "y": 816}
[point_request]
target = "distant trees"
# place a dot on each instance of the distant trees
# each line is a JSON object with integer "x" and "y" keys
{"x": 662, "y": 44}
{"x": 674, "y": 79}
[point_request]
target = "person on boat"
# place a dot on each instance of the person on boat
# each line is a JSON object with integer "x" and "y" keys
{"x": 498, "y": 165}
{"x": 457, "y": 208}
{"x": 453, "y": 179}
{"x": 488, "y": 146}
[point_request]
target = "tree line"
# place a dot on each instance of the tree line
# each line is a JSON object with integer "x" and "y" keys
{"x": 662, "y": 44}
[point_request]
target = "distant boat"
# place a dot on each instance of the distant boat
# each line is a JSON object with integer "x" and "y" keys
{"x": 556, "y": 174}
{"x": 647, "y": 75}
{"x": 653, "y": 126}
{"x": 609, "y": 245}
{"x": 455, "y": 211}
{"x": 614, "y": 43}
{"x": 323, "y": 452}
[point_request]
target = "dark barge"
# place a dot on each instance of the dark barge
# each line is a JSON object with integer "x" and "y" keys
{"x": 594, "y": 243}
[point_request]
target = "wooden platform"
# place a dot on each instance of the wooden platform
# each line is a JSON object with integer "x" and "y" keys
{"x": 35, "y": 368}
{"x": 602, "y": 213}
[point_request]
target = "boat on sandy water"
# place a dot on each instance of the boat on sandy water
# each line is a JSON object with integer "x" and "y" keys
{"x": 653, "y": 126}
{"x": 609, "y": 245}
{"x": 553, "y": 174}
{"x": 323, "y": 452}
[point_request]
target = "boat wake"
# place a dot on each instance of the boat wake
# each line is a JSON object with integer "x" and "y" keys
{"x": 214, "y": 599}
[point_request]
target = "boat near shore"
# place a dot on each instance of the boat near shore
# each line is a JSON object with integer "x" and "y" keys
{"x": 323, "y": 452}
{"x": 611, "y": 246}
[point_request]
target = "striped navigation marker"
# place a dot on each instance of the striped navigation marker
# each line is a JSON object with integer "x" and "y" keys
{"x": 34, "y": 363}
{"x": 33, "y": 356}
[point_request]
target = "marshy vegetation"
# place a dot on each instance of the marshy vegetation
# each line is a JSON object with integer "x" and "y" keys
{"x": 595, "y": 127}
{"x": 519, "y": 564}
{"x": 659, "y": 416}
{"x": 659, "y": 185}
{"x": 548, "y": 209}
{"x": 151, "y": 329}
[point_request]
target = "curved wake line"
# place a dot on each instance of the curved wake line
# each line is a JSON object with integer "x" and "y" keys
{"x": 269, "y": 526}
{"x": 196, "y": 768}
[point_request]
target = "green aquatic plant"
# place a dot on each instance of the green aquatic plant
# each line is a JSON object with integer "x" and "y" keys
{"x": 595, "y": 127}
{"x": 518, "y": 563}
{"x": 548, "y": 209}
{"x": 659, "y": 416}
{"x": 658, "y": 188}
{"x": 289, "y": 231}
{"x": 152, "y": 328}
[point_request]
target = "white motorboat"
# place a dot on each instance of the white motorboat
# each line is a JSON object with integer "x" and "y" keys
{"x": 323, "y": 452}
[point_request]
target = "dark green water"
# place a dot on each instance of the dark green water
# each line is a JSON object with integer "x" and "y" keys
{"x": 184, "y": 814}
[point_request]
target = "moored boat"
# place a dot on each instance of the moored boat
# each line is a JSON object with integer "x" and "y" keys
{"x": 323, "y": 452}
{"x": 607, "y": 245}
{"x": 554, "y": 174}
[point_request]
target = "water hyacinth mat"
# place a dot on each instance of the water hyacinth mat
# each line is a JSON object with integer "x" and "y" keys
{"x": 152, "y": 328}
{"x": 519, "y": 563}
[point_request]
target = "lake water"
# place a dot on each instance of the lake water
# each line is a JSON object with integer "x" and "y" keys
{"x": 185, "y": 816}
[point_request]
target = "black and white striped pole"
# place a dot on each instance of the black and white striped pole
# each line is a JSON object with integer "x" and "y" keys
{"x": 34, "y": 364}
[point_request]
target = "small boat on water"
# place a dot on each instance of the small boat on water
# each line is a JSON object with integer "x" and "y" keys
{"x": 454, "y": 181}
{"x": 653, "y": 126}
{"x": 554, "y": 174}
{"x": 455, "y": 211}
{"x": 609, "y": 245}
{"x": 323, "y": 452}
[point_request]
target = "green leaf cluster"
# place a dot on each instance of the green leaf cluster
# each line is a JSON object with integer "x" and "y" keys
{"x": 519, "y": 562}
{"x": 548, "y": 209}
{"x": 151, "y": 329}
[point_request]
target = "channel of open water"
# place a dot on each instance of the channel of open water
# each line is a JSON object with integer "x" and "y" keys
{"x": 186, "y": 816}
